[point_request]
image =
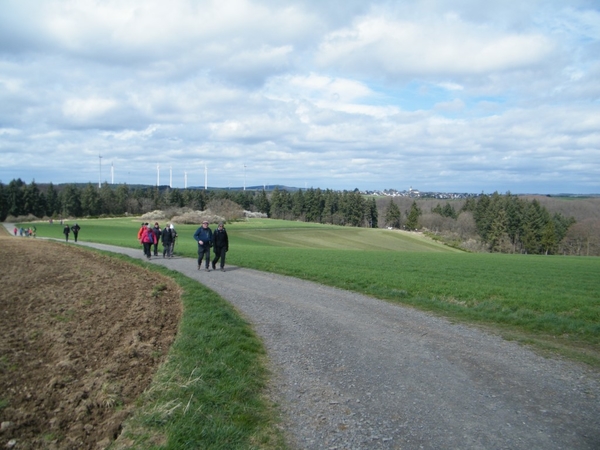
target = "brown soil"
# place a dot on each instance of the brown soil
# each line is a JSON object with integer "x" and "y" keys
{"x": 81, "y": 335}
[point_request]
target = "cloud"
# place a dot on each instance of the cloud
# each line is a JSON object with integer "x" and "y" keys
{"x": 434, "y": 48}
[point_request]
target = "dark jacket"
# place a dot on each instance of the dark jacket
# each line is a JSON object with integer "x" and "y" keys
{"x": 167, "y": 236}
{"x": 220, "y": 239}
{"x": 157, "y": 232}
{"x": 204, "y": 235}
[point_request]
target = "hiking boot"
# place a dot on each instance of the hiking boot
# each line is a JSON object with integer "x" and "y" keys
{"x": 222, "y": 269}
{"x": 207, "y": 269}
{"x": 199, "y": 266}
{"x": 214, "y": 266}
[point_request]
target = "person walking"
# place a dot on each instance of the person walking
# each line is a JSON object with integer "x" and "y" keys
{"x": 15, "y": 231}
{"x": 148, "y": 240}
{"x": 166, "y": 238}
{"x": 140, "y": 234}
{"x": 75, "y": 229}
{"x": 174, "y": 238}
{"x": 203, "y": 236}
{"x": 66, "y": 231}
{"x": 157, "y": 232}
{"x": 220, "y": 246}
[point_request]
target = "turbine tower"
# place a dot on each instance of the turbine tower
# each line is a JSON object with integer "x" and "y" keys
{"x": 205, "y": 177}
{"x": 170, "y": 176}
{"x": 112, "y": 173}
{"x": 157, "y": 175}
{"x": 185, "y": 180}
{"x": 99, "y": 170}
{"x": 244, "y": 177}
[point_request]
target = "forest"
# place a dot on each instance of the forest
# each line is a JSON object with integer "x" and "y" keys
{"x": 502, "y": 223}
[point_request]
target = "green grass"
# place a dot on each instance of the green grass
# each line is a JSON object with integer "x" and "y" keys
{"x": 540, "y": 296}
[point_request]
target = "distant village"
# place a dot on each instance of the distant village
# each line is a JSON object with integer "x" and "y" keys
{"x": 415, "y": 193}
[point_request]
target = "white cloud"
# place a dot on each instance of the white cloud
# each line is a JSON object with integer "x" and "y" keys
{"x": 434, "y": 47}
{"x": 81, "y": 109}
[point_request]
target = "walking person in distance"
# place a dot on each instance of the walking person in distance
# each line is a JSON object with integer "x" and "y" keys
{"x": 167, "y": 239}
{"x": 157, "y": 232}
{"x": 203, "y": 236}
{"x": 148, "y": 240}
{"x": 75, "y": 228}
{"x": 66, "y": 231}
{"x": 220, "y": 246}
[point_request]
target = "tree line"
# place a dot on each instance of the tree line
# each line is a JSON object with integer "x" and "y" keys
{"x": 18, "y": 199}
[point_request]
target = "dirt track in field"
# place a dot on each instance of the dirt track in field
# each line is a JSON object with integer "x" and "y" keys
{"x": 81, "y": 336}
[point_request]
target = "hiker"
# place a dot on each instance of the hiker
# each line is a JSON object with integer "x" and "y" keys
{"x": 220, "y": 246}
{"x": 140, "y": 234}
{"x": 203, "y": 236}
{"x": 167, "y": 238}
{"x": 157, "y": 232}
{"x": 148, "y": 240}
{"x": 174, "y": 235}
{"x": 66, "y": 231}
{"x": 15, "y": 231}
{"x": 75, "y": 228}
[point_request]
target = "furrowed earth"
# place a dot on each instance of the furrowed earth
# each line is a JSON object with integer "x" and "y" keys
{"x": 82, "y": 335}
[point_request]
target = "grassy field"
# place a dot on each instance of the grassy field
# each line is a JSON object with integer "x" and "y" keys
{"x": 551, "y": 300}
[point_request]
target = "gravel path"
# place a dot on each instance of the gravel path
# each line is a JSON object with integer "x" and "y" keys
{"x": 352, "y": 372}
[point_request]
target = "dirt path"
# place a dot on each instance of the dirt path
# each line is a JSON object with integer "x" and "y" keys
{"x": 352, "y": 372}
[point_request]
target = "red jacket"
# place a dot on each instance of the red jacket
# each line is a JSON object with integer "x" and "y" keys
{"x": 146, "y": 239}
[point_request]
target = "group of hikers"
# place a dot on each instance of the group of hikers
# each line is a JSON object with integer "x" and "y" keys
{"x": 27, "y": 232}
{"x": 150, "y": 236}
{"x": 218, "y": 240}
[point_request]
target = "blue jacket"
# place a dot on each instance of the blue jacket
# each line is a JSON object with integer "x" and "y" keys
{"x": 204, "y": 235}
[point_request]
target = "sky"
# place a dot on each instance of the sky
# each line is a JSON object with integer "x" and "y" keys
{"x": 451, "y": 96}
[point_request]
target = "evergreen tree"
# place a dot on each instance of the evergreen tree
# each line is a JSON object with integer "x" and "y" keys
{"x": 70, "y": 201}
{"x": 330, "y": 206}
{"x": 373, "y": 214}
{"x": 298, "y": 205}
{"x": 481, "y": 217}
{"x": 32, "y": 200}
{"x": 90, "y": 201}
{"x": 393, "y": 216}
{"x": 262, "y": 203}
{"x": 3, "y": 203}
{"x": 412, "y": 217}
{"x": 548, "y": 240}
{"x": 313, "y": 202}
{"x": 535, "y": 220}
{"x": 52, "y": 202}
{"x": 121, "y": 199}
{"x": 14, "y": 197}
{"x": 108, "y": 203}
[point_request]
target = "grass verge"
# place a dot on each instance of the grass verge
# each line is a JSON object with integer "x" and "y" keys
{"x": 211, "y": 391}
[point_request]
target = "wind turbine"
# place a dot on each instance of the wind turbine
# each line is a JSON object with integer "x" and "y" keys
{"x": 99, "y": 170}
{"x": 170, "y": 176}
{"x": 157, "y": 175}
